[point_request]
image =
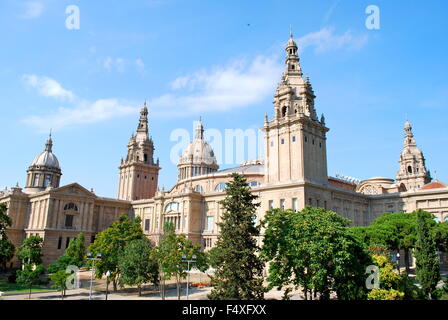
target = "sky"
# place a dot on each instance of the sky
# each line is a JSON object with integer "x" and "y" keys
{"x": 221, "y": 61}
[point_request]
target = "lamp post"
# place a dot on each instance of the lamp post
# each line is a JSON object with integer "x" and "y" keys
{"x": 91, "y": 258}
{"x": 398, "y": 262}
{"x": 107, "y": 282}
{"x": 192, "y": 260}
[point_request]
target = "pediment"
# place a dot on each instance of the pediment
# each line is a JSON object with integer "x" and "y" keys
{"x": 74, "y": 189}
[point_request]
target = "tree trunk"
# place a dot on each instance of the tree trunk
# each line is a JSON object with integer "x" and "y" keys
{"x": 178, "y": 287}
{"x": 114, "y": 282}
{"x": 29, "y": 297}
{"x": 140, "y": 290}
{"x": 406, "y": 260}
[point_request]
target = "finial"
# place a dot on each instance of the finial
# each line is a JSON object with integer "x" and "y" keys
{"x": 290, "y": 31}
{"x": 435, "y": 175}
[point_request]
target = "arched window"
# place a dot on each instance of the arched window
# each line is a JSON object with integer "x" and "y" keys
{"x": 409, "y": 169}
{"x": 446, "y": 219}
{"x": 436, "y": 220}
{"x": 172, "y": 206}
{"x": 284, "y": 110}
{"x": 70, "y": 206}
{"x": 199, "y": 188}
{"x": 221, "y": 187}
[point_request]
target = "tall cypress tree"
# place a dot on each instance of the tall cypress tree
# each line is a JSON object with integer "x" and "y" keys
{"x": 428, "y": 274}
{"x": 239, "y": 272}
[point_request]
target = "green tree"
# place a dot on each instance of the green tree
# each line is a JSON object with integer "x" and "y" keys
{"x": 59, "y": 281}
{"x": 29, "y": 276}
{"x": 7, "y": 249}
{"x": 427, "y": 264}
{"x": 137, "y": 265}
{"x": 30, "y": 252}
{"x": 441, "y": 236}
{"x": 169, "y": 255}
{"x": 314, "y": 250}
{"x": 74, "y": 255}
{"x": 239, "y": 272}
{"x": 395, "y": 230}
{"x": 110, "y": 243}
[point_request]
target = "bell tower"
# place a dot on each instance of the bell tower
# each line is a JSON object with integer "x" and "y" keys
{"x": 413, "y": 173}
{"x": 138, "y": 172}
{"x": 295, "y": 139}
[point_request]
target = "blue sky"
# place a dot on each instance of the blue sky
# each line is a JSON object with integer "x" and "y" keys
{"x": 220, "y": 60}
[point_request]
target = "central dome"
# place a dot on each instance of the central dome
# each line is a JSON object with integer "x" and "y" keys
{"x": 198, "y": 158}
{"x": 47, "y": 158}
{"x": 198, "y": 152}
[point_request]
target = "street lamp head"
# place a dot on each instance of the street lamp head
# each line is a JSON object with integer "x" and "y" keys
{"x": 184, "y": 256}
{"x": 193, "y": 257}
{"x": 99, "y": 256}
{"x": 108, "y": 274}
{"x": 89, "y": 255}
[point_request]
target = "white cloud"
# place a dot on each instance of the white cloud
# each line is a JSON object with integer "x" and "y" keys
{"x": 82, "y": 113}
{"x": 48, "y": 87}
{"x": 79, "y": 112}
{"x": 326, "y": 40}
{"x": 140, "y": 64}
{"x": 222, "y": 88}
{"x": 31, "y": 9}
{"x": 118, "y": 64}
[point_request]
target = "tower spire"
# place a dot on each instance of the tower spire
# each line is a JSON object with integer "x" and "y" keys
{"x": 49, "y": 143}
{"x": 199, "y": 130}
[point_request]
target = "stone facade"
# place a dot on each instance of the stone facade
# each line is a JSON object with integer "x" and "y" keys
{"x": 292, "y": 175}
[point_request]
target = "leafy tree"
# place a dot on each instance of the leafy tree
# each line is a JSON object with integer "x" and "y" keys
{"x": 137, "y": 265}
{"x": 74, "y": 255}
{"x": 169, "y": 256}
{"x": 397, "y": 231}
{"x": 59, "y": 281}
{"x": 314, "y": 249}
{"x": 30, "y": 252}
{"x": 111, "y": 242}
{"x": 29, "y": 276}
{"x": 239, "y": 272}
{"x": 393, "y": 231}
{"x": 7, "y": 249}
{"x": 441, "y": 236}
{"x": 427, "y": 270}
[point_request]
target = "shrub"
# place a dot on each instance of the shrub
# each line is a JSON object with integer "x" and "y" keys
{"x": 385, "y": 294}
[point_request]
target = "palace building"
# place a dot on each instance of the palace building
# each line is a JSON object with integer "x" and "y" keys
{"x": 292, "y": 175}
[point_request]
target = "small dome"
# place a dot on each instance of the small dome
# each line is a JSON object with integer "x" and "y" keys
{"x": 47, "y": 158}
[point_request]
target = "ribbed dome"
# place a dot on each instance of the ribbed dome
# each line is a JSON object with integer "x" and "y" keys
{"x": 47, "y": 158}
{"x": 198, "y": 152}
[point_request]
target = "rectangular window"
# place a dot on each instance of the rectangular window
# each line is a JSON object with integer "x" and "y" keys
{"x": 69, "y": 221}
{"x": 283, "y": 141}
{"x": 282, "y": 204}
{"x": 317, "y": 203}
{"x": 294, "y": 139}
{"x": 210, "y": 223}
{"x": 67, "y": 242}
{"x": 59, "y": 243}
{"x": 47, "y": 180}
{"x": 147, "y": 224}
{"x": 310, "y": 202}
{"x": 36, "y": 180}
{"x": 271, "y": 204}
{"x": 295, "y": 204}
{"x": 92, "y": 239}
